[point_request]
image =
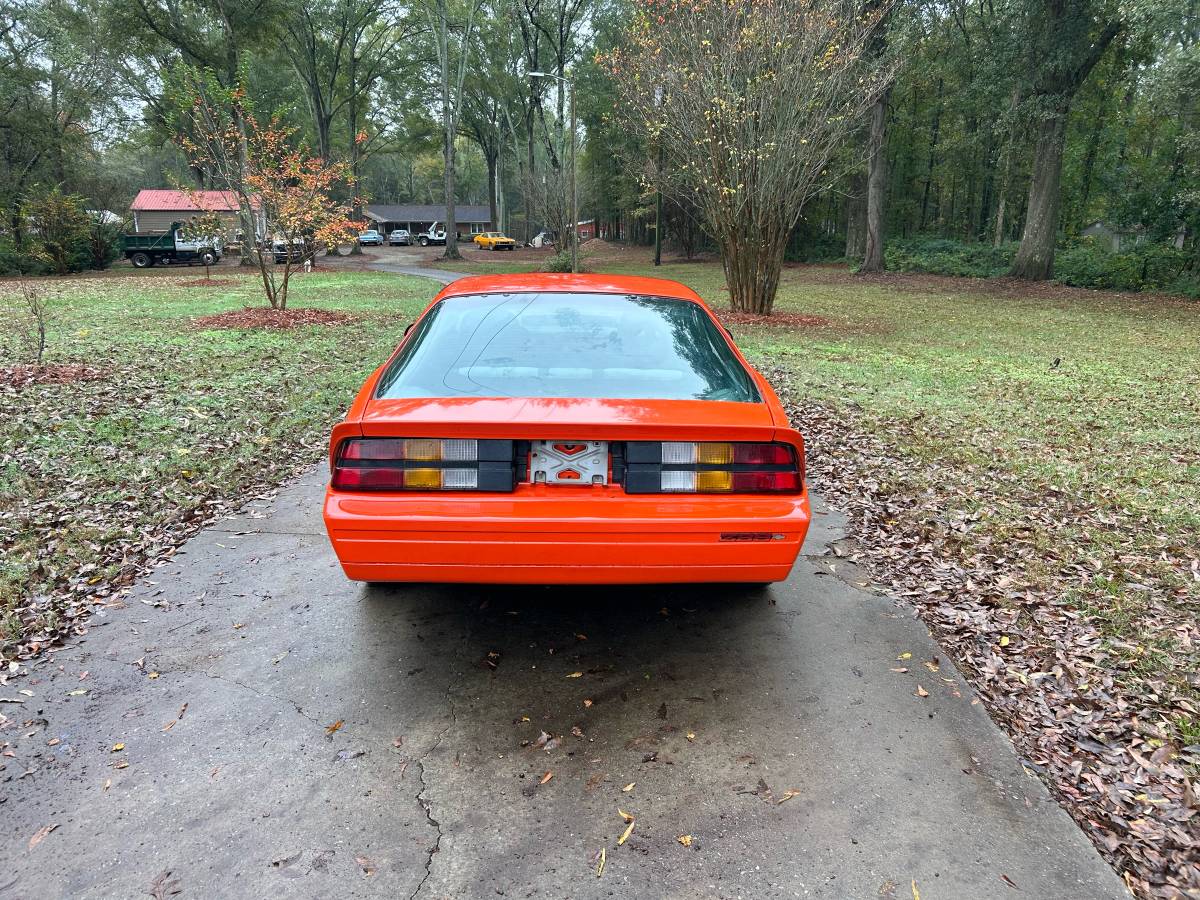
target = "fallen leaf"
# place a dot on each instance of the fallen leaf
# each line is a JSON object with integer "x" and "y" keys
{"x": 546, "y": 777}
{"x": 916, "y": 893}
{"x": 628, "y": 828}
{"x": 587, "y": 703}
{"x": 1004, "y": 641}
{"x": 40, "y": 835}
{"x": 932, "y": 665}
{"x": 1008, "y": 881}
{"x": 575, "y": 675}
{"x": 628, "y": 787}
{"x": 107, "y": 784}
{"x": 121, "y": 764}
{"x": 152, "y": 675}
{"x": 901, "y": 670}
{"x": 691, "y": 735}
{"x": 921, "y": 692}
{"x": 348, "y": 754}
{"x": 78, "y": 692}
{"x": 787, "y": 795}
{"x": 553, "y": 744}
{"x": 542, "y": 739}
{"x": 53, "y": 742}
{"x": 577, "y": 731}
{"x": 580, "y": 636}
{"x": 904, "y": 656}
{"x": 685, "y": 839}
{"x": 117, "y": 748}
{"x": 165, "y": 886}
{"x": 368, "y": 867}
{"x": 600, "y": 867}
{"x": 335, "y": 726}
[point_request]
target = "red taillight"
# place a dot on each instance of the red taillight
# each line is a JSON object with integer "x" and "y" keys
{"x": 766, "y": 482}
{"x": 710, "y": 467}
{"x": 762, "y": 454}
{"x": 423, "y": 464}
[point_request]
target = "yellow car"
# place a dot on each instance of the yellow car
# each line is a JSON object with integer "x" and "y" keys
{"x": 494, "y": 240}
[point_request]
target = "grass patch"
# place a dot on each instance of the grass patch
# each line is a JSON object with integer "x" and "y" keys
{"x": 185, "y": 422}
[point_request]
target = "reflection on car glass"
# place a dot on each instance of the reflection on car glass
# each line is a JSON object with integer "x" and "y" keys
{"x": 568, "y": 345}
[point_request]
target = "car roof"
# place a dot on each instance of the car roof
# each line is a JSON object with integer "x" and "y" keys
{"x": 529, "y": 282}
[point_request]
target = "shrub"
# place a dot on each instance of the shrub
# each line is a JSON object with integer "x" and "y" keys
{"x": 62, "y": 228}
{"x": 561, "y": 262}
{"x": 26, "y": 261}
{"x": 1146, "y": 267}
{"x": 943, "y": 256}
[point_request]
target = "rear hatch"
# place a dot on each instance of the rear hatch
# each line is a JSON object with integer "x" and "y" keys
{"x": 558, "y": 418}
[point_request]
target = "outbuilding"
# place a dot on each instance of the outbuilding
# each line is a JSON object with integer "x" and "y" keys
{"x": 154, "y": 210}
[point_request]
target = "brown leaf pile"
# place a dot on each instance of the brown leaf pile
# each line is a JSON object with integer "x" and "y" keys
{"x": 252, "y": 317}
{"x": 1095, "y": 715}
{"x": 21, "y": 376}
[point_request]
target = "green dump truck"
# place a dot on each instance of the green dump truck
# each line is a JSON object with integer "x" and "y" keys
{"x": 168, "y": 247}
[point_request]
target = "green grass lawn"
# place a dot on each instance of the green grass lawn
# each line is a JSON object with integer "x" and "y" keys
{"x": 94, "y": 473}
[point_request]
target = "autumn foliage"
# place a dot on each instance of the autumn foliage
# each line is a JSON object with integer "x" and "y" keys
{"x": 284, "y": 194}
{"x": 749, "y": 100}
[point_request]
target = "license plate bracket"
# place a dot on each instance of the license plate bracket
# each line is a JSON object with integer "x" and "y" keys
{"x": 568, "y": 462}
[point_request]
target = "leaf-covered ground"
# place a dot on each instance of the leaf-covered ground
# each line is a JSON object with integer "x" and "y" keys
{"x": 173, "y": 424}
{"x": 1022, "y": 464}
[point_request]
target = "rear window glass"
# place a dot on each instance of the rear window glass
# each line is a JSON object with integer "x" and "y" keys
{"x": 568, "y": 345}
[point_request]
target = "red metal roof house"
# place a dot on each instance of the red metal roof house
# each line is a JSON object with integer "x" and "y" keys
{"x": 155, "y": 209}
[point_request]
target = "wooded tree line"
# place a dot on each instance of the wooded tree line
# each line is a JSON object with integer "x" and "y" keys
{"x": 1008, "y": 124}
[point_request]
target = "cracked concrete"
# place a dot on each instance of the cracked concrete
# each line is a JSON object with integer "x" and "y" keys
{"x": 715, "y": 703}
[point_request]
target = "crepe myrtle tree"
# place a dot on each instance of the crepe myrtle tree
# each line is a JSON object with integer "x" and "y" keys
{"x": 749, "y": 101}
{"x": 278, "y": 185}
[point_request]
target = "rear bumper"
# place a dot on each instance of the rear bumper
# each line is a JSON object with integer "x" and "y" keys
{"x": 565, "y": 536}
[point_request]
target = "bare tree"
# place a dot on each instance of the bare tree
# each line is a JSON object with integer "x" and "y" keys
{"x": 756, "y": 98}
{"x": 30, "y": 328}
{"x": 453, "y": 42}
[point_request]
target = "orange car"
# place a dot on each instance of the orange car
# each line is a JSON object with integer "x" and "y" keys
{"x": 570, "y": 429}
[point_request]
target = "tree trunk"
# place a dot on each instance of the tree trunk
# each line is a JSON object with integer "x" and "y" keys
{"x": 1035, "y": 257}
{"x": 856, "y": 217}
{"x": 876, "y": 187}
{"x": 493, "y": 206}
{"x": 752, "y": 269}
{"x": 448, "y": 130}
{"x": 934, "y": 131}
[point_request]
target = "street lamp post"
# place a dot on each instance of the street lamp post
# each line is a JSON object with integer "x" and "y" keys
{"x": 570, "y": 83}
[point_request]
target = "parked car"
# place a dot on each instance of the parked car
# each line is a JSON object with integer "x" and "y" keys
{"x": 435, "y": 235}
{"x": 172, "y": 246}
{"x": 613, "y": 410}
{"x": 372, "y": 237}
{"x": 494, "y": 240}
{"x": 298, "y": 249}
{"x": 400, "y": 237}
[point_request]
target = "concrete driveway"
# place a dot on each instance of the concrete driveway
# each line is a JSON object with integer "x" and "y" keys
{"x": 253, "y": 725}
